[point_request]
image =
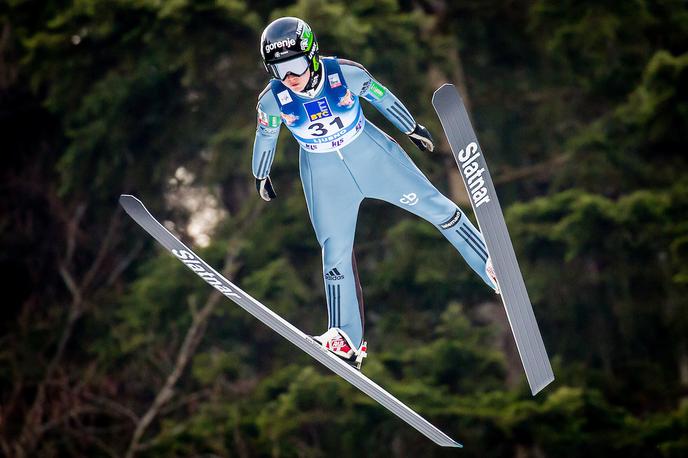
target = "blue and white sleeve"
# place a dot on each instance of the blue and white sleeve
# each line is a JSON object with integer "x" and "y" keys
{"x": 267, "y": 131}
{"x": 362, "y": 83}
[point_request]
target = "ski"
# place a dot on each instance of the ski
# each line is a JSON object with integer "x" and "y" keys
{"x": 476, "y": 177}
{"x": 135, "y": 208}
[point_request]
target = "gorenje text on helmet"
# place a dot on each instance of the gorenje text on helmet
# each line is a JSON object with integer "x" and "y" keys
{"x": 280, "y": 44}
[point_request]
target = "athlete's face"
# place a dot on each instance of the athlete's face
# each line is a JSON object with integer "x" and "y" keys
{"x": 297, "y": 83}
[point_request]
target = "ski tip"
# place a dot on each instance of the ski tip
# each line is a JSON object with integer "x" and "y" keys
{"x": 124, "y": 198}
{"x": 129, "y": 202}
{"x": 443, "y": 89}
{"x": 445, "y": 98}
{"x": 445, "y": 85}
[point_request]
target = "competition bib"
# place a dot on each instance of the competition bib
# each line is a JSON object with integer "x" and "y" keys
{"x": 327, "y": 122}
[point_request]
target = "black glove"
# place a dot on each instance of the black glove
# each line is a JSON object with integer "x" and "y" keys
{"x": 422, "y": 138}
{"x": 265, "y": 189}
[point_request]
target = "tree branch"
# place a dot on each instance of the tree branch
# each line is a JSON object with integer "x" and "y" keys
{"x": 116, "y": 407}
{"x": 193, "y": 397}
{"x": 32, "y": 429}
{"x": 103, "y": 251}
{"x": 124, "y": 263}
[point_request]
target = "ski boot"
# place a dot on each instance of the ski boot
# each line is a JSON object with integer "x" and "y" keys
{"x": 336, "y": 341}
{"x": 489, "y": 269}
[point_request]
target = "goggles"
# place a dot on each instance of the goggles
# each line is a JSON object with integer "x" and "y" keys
{"x": 296, "y": 66}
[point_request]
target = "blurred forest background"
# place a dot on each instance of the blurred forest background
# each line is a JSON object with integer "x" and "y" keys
{"x": 110, "y": 347}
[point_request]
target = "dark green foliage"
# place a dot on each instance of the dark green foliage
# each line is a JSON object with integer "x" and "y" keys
{"x": 582, "y": 111}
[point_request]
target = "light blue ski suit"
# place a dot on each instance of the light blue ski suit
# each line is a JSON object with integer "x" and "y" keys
{"x": 343, "y": 159}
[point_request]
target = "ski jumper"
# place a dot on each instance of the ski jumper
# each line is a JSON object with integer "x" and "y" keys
{"x": 344, "y": 158}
